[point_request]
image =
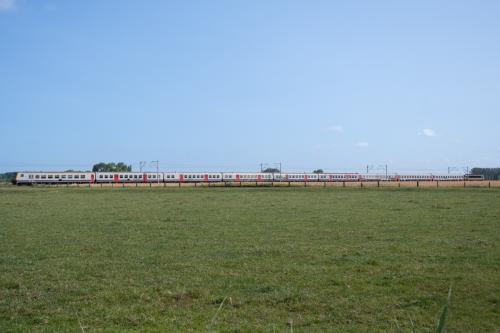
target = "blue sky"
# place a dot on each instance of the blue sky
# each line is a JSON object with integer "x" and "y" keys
{"x": 226, "y": 85}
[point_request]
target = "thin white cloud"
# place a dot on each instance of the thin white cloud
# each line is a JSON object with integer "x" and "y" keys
{"x": 429, "y": 132}
{"x": 336, "y": 128}
{"x": 6, "y": 5}
{"x": 361, "y": 144}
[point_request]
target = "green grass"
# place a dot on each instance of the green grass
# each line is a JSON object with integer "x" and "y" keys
{"x": 248, "y": 260}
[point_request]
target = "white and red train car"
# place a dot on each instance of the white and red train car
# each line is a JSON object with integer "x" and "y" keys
{"x": 40, "y": 177}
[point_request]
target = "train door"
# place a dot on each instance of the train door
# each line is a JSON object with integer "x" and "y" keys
{"x": 205, "y": 178}
{"x": 181, "y": 178}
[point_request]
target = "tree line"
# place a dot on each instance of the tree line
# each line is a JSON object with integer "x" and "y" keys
{"x": 111, "y": 167}
{"x": 488, "y": 173}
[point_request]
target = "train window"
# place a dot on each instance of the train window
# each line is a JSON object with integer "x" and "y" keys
{"x": 63, "y": 176}
{"x": 50, "y": 176}
{"x": 135, "y": 176}
{"x": 121, "y": 176}
{"x": 37, "y": 176}
{"x": 44, "y": 176}
{"x": 56, "y": 176}
{"x": 106, "y": 176}
{"x": 70, "y": 176}
{"x": 22, "y": 175}
{"x": 82, "y": 176}
{"x": 30, "y": 176}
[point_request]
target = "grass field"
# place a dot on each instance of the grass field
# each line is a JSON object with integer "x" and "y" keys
{"x": 248, "y": 259}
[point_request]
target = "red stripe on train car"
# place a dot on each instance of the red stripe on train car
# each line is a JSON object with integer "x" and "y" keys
{"x": 205, "y": 178}
{"x": 116, "y": 178}
{"x": 145, "y": 178}
{"x": 237, "y": 177}
{"x": 259, "y": 178}
{"x": 92, "y": 178}
{"x": 181, "y": 178}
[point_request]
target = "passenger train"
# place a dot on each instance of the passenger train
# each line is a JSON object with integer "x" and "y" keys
{"x": 32, "y": 178}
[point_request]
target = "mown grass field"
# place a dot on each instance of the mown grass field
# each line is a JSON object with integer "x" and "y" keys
{"x": 311, "y": 260}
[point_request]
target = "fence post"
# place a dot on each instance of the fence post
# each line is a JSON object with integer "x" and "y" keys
{"x": 361, "y": 184}
{"x": 418, "y": 183}
{"x": 489, "y": 184}
{"x": 437, "y": 183}
{"x": 378, "y": 183}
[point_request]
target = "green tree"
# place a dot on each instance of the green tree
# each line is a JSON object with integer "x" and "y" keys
{"x": 318, "y": 171}
{"x": 111, "y": 167}
{"x": 7, "y": 177}
{"x": 488, "y": 173}
{"x": 271, "y": 170}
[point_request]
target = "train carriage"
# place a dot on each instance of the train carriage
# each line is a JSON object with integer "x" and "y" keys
{"x": 448, "y": 177}
{"x": 128, "y": 177}
{"x": 414, "y": 177}
{"x": 247, "y": 177}
{"x": 301, "y": 177}
{"x": 199, "y": 177}
{"x": 171, "y": 177}
{"x": 54, "y": 178}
